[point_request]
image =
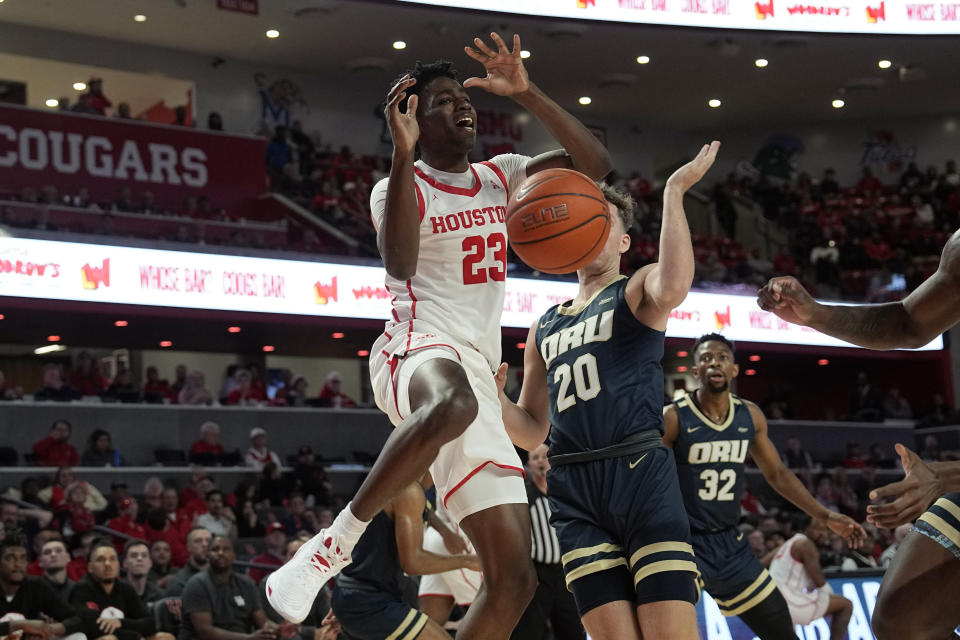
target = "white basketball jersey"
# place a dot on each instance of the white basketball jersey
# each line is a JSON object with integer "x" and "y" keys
{"x": 461, "y": 271}
{"x": 789, "y": 574}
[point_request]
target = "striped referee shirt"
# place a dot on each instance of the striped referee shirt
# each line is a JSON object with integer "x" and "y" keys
{"x": 546, "y": 547}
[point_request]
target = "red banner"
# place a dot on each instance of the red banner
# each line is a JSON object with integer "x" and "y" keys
{"x": 104, "y": 155}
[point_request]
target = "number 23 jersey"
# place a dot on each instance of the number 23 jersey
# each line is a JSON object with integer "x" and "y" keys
{"x": 710, "y": 460}
{"x": 461, "y": 271}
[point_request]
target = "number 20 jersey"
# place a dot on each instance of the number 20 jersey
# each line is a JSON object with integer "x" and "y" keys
{"x": 710, "y": 460}
{"x": 459, "y": 285}
{"x": 604, "y": 376}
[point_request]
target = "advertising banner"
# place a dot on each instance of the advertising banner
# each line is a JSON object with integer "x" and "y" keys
{"x": 832, "y": 16}
{"x": 45, "y": 269}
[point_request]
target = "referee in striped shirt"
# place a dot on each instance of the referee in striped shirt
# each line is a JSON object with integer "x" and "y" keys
{"x": 552, "y": 602}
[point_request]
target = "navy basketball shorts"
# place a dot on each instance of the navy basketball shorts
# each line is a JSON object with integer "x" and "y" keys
{"x": 623, "y": 532}
{"x": 373, "y": 615}
{"x": 729, "y": 571}
{"x": 941, "y": 523}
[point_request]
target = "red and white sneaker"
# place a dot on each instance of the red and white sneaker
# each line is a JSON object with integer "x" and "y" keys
{"x": 292, "y": 588}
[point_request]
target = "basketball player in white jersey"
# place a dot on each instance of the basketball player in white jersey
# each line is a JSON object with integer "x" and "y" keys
{"x": 441, "y": 233}
{"x": 795, "y": 567}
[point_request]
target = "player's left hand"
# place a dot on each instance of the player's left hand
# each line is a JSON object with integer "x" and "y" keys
{"x": 847, "y": 528}
{"x": 690, "y": 173}
{"x": 500, "y": 377}
{"x": 917, "y": 491}
{"x": 506, "y": 75}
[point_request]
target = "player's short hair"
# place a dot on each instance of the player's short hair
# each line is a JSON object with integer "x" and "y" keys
{"x": 134, "y": 542}
{"x": 622, "y": 201}
{"x": 99, "y": 543}
{"x": 715, "y": 337}
{"x": 12, "y": 539}
{"x": 425, "y": 73}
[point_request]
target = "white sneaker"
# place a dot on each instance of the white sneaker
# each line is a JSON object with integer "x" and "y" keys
{"x": 292, "y": 588}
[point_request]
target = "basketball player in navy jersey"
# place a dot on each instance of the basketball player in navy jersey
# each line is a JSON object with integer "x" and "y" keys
{"x": 368, "y": 595}
{"x": 919, "y": 592}
{"x": 711, "y": 431}
{"x": 593, "y": 380}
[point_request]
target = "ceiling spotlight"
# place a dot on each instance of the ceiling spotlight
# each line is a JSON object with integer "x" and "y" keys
{"x": 139, "y": 18}
{"x": 643, "y": 59}
{"x": 682, "y": 369}
{"x": 120, "y": 323}
{"x": 585, "y": 100}
{"x": 79, "y": 86}
{"x": 751, "y": 372}
{"x": 682, "y": 354}
{"x": 165, "y": 344}
{"x": 233, "y": 329}
{"x": 521, "y": 345}
{"x": 761, "y": 62}
{"x": 50, "y": 348}
{"x": 51, "y": 102}
{"x": 399, "y": 44}
{"x": 53, "y": 338}
{"x": 525, "y": 54}
{"x": 2, "y": 316}
{"x": 754, "y": 358}
{"x": 363, "y": 353}
{"x": 838, "y": 104}
{"x": 273, "y": 33}
{"x": 823, "y": 362}
{"x": 713, "y": 103}
{"x": 268, "y": 348}
{"x": 337, "y": 335}
{"x": 884, "y": 64}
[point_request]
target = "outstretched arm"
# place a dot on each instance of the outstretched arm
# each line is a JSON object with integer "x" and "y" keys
{"x": 528, "y": 421}
{"x": 926, "y": 313}
{"x": 786, "y": 483}
{"x": 506, "y": 76}
{"x": 654, "y": 291}
{"x": 408, "y": 529}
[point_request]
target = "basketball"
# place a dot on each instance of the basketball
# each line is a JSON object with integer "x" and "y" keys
{"x": 557, "y": 221}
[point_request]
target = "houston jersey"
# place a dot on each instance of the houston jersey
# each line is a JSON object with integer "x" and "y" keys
{"x": 462, "y": 267}
{"x": 603, "y": 372}
{"x": 710, "y": 462}
{"x": 790, "y": 574}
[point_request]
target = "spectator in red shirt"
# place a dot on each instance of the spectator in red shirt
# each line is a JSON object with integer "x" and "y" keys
{"x": 258, "y": 455}
{"x": 159, "y": 528}
{"x": 332, "y": 394}
{"x": 868, "y": 183}
{"x": 127, "y": 523}
{"x": 75, "y": 518}
{"x": 274, "y": 542}
{"x": 193, "y": 502}
{"x": 853, "y": 459}
{"x": 86, "y": 376}
{"x": 55, "y": 450}
{"x": 156, "y": 390}
{"x": 209, "y": 442}
{"x": 96, "y": 98}
{"x": 245, "y": 393}
{"x": 177, "y": 516}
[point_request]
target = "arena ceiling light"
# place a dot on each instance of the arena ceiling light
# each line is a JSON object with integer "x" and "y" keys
{"x": 521, "y": 345}
{"x": 79, "y": 86}
{"x": 363, "y": 353}
{"x": 120, "y": 323}
{"x": 838, "y": 104}
{"x": 273, "y": 33}
{"x": 399, "y": 44}
{"x": 165, "y": 344}
{"x": 761, "y": 62}
{"x": 884, "y": 64}
{"x": 682, "y": 354}
{"x": 269, "y": 348}
{"x": 53, "y": 338}
{"x": 2, "y": 316}
{"x": 713, "y": 103}
{"x": 643, "y": 59}
{"x": 751, "y": 372}
{"x": 51, "y": 102}
{"x": 50, "y": 348}
{"x": 337, "y": 335}
{"x": 823, "y": 362}
{"x": 585, "y": 100}
{"x": 525, "y": 54}
{"x": 233, "y": 329}
{"x": 139, "y": 18}
{"x": 754, "y": 358}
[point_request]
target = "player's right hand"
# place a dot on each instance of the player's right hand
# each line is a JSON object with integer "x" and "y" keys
{"x": 404, "y": 128}
{"x": 690, "y": 173}
{"x": 786, "y": 297}
{"x": 909, "y": 497}
{"x": 500, "y": 377}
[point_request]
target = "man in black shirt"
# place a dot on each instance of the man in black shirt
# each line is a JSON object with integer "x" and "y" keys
{"x": 137, "y": 565}
{"x": 53, "y": 560}
{"x": 219, "y": 604}
{"x": 26, "y": 599}
{"x": 108, "y": 606}
{"x": 198, "y": 540}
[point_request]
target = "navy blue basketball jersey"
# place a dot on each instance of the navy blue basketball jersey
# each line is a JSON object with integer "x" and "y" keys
{"x": 604, "y": 376}
{"x": 710, "y": 463}
{"x": 376, "y": 561}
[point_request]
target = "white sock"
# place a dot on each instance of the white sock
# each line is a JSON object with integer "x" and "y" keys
{"x": 347, "y": 527}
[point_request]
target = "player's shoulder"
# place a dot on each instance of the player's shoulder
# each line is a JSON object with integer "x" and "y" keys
{"x": 752, "y": 407}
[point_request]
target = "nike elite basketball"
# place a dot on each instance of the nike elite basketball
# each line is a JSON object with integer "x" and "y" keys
{"x": 557, "y": 221}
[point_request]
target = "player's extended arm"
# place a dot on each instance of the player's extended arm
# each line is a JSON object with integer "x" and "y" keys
{"x": 806, "y": 553}
{"x": 528, "y": 421}
{"x": 654, "y": 291}
{"x": 408, "y": 529}
{"x": 671, "y": 426}
{"x": 787, "y": 484}
{"x": 923, "y": 484}
{"x": 927, "y": 312}
{"x": 398, "y": 238}
{"x": 506, "y": 76}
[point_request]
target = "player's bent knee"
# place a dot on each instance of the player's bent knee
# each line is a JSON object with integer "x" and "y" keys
{"x": 455, "y": 409}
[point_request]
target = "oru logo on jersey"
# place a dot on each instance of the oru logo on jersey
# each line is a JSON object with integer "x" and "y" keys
{"x": 598, "y": 328}
{"x": 718, "y": 451}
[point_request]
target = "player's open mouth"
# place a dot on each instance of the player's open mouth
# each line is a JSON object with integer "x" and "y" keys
{"x": 715, "y": 377}
{"x": 466, "y": 122}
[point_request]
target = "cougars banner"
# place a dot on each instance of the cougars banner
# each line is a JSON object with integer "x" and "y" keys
{"x": 72, "y": 151}
{"x": 126, "y": 275}
{"x": 840, "y": 16}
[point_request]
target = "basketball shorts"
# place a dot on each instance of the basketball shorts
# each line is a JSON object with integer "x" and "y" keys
{"x": 807, "y": 606}
{"x": 941, "y": 523}
{"x": 623, "y": 532}
{"x": 461, "y": 585}
{"x": 730, "y": 572}
{"x": 367, "y": 614}
{"x": 478, "y": 470}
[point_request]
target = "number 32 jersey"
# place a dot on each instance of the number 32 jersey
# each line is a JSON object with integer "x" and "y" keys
{"x": 710, "y": 463}
{"x": 461, "y": 272}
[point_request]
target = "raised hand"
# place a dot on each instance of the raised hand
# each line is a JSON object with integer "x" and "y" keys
{"x": 847, "y": 528}
{"x": 917, "y": 491}
{"x": 690, "y": 173}
{"x": 500, "y": 377}
{"x": 404, "y": 128}
{"x": 506, "y": 75}
{"x": 786, "y": 297}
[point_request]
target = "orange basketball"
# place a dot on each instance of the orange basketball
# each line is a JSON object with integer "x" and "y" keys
{"x": 557, "y": 221}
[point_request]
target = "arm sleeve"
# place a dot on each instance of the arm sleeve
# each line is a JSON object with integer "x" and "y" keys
{"x": 195, "y": 599}
{"x": 514, "y": 167}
